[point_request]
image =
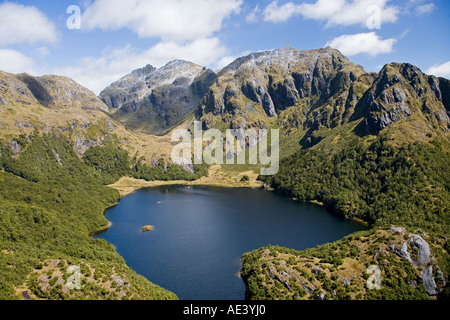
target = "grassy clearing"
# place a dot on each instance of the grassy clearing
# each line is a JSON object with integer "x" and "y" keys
{"x": 216, "y": 177}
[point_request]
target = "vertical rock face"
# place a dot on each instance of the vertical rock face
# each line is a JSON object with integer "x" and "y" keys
{"x": 268, "y": 105}
{"x": 402, "y": 90}
{"x": 153, "y": 100}
{"x": 428, "y": 280}
{"x": 267, "y": 83}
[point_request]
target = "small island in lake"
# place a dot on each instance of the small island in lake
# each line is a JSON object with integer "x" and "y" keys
{"x": 147, "y": 228}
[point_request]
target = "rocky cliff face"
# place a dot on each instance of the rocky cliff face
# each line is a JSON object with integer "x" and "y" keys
{"x": 153, "y": 100}
{"x": 317, "y": 89}
{"x": 401, "y": 91}
{"x": 255, "y": 90}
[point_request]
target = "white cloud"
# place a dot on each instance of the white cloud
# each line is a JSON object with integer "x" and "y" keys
{"x": 370, "y": 43}
{"x": 24, "y": 24}
{"x": 335, "y": 12}
{"x": 442, "y": 70}
{"x": 425, "y": 9}
{"x": 252, "y": 17}
{"x": 42, "y": 52}
{"x": 205, "y": 52}
{"x": 274, "y": 13}
{"x": 96, "y": 73}
{"x": 15, "y": 62}
{"x": 186, "y": 29}
{"x": 170, "y": 20}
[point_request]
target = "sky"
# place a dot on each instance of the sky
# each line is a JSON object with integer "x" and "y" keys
{"x": 96, "y": 42}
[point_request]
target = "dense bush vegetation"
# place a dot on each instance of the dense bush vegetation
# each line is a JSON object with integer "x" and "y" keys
{"x": 110, "y": 160}
{"x": 377, "y": 183}
{"x": 168, "y": 172}
{"x": 48, "y": 158}
{"x": 50, "y": 203}
{"x": 337, "y": 271}
{"x": 384, "y": 185}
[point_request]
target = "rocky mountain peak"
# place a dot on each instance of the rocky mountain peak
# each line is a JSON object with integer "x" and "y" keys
{"x": 176, "y": 71}
{"x": 260, "y": 86}
{"x": 144, "y": 71}
{"x": 289, "y": 58}
{"x": 307, "y": 89}
{"x": 402, "y": 90}
{"x": 153, "y": 100}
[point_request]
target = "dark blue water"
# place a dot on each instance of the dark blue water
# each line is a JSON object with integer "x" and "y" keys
{"x": 201, "y": 233}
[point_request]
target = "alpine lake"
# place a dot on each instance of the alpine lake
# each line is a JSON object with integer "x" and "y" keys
{"x": 190, "y": 239}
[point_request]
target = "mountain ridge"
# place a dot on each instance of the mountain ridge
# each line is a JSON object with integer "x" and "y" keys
{"x": 288, "y": 88}
{"x": 59, "y": 105}
{"x": 154, "y": 100}
{"x": 302, "y": 92}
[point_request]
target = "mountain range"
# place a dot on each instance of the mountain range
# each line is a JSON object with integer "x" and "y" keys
{"x": 289, "y": 88}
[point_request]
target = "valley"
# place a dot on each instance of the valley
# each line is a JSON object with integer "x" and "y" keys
{"x": 368, "y": 146}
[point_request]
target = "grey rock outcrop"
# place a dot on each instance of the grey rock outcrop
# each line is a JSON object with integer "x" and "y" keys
{"x": 398, "y": 230}
{"x": 15, "y": 147}
{"x": 186, "y": 164}
{"x": 3, "y": 101}
{"x": 424, "y": 253}
{"x": 417, "y": 251}
{"x": 268, "y": 105}
{"x": 403, "y": 252}
{"x": 428, "y": 280}
{"x": 153, "y": 100}
{"x": 394, "y": 93}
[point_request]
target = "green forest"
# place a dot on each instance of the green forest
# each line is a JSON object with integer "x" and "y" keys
{"x": 51, "y": 201}
{"x": 377, "y": 183}
{"x": 389, "y": 188}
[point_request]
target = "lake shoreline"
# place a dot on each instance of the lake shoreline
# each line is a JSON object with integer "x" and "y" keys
{"x": 216, "y": 178}
{"x": 127, "y": 185}
{"x": 256, "y": 217}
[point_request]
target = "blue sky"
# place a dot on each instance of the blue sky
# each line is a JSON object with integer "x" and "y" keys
{"x": 114, "y": 37}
